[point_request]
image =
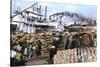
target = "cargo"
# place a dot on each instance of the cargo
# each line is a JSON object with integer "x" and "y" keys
{"x": 75, "y": 55}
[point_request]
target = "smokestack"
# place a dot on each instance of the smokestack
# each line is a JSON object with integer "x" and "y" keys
{"x": 45, "y": 12}
{"x": 40, "y": 10}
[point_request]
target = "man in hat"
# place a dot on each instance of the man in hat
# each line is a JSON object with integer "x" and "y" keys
{"x": 56, "y": 40}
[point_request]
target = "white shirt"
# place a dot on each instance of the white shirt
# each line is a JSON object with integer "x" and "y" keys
{"x": 13, "y": 53}
{"x": 25, "y": 51}
{"x": 34, "y": 47}
{"x": 56, "y": 38}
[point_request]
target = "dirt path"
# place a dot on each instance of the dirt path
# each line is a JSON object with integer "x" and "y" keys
{"x": 39, "y": 60}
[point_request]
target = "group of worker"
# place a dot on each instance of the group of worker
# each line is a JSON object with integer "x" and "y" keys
{"x": 25, "y": 46}
{"x": 23, "y": 50}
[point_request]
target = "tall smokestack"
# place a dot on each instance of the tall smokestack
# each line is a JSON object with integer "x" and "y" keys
{"x": 45, "y": 12}
{"x": 40, "y": 10}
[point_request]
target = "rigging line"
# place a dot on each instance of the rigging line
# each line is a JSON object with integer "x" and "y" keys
{"x": 24, "y": 10}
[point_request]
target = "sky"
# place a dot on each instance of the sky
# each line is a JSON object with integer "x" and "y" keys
{"x": 85, "y": 10}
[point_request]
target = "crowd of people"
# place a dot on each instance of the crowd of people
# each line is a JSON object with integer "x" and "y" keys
{"x": 25, "y": 46}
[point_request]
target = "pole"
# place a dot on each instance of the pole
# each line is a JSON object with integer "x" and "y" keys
{"x": 10, "y": 11}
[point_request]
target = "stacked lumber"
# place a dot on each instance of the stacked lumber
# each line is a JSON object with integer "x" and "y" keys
{"x": 87, "y": 54}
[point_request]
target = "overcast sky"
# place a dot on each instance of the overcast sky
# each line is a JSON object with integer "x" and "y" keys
{"x": 85, "y": 10}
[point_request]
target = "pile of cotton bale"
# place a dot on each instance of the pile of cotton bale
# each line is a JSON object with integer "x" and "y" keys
{"x": 87, "y": 54}
{"x": 46, "y": 41}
